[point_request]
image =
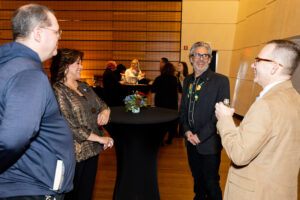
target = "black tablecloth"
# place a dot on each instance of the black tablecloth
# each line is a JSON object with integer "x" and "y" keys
{"x": 148, "y": 115}
{"x": 137, "y": 140}
{"x": 131, "y": 88}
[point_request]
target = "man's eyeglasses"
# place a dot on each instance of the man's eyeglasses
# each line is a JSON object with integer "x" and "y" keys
{"x": 57, "y": 32}
{"x": 199, "y": 55}
{"x": 258, "y": 59}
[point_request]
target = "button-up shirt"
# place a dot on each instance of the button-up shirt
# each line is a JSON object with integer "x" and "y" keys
{"x": 197, "y": 111}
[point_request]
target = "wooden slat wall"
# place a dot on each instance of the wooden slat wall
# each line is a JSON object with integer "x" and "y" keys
{"x": 112, "y": 30}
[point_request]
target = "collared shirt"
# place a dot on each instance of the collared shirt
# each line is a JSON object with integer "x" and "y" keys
{"x": 267, "y": 88}
{"x": 195, "y": 85}
{"x": 81, "y": 112}
{"x": 197, "y": 110}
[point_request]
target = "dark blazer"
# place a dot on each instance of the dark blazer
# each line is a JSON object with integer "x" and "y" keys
{"x": 114, "y": 94}
{"x": 165, "y": 88}
{"x": 215, "y": 88}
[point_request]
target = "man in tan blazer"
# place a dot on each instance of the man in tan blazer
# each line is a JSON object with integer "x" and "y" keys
{"x": 265, "y": 148}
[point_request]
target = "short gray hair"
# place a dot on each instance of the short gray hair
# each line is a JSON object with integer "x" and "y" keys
{"x": 28, "y": 17}
{"x": 200, "y": 44}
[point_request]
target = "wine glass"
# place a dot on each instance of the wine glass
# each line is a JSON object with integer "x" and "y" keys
{"x": 226, "y": 102}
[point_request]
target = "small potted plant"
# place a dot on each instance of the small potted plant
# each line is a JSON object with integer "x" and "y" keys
{"x": 135, "y": 101}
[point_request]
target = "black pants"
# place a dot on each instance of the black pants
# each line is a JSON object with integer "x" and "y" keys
{"x": 84, "y": 179}
{"x": 205, "y": 171}
{"x": 172, "y": 131}
{"x": 38, "y": 197}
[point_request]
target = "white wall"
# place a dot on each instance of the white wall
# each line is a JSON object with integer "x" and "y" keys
{"x": 258, "y": 22}
{"x": 212, "y": 21}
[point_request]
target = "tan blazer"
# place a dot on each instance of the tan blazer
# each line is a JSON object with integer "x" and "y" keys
{"x": 265, "y": 148}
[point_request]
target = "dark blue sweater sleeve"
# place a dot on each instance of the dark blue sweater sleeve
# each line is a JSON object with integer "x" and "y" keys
{"x": 24, "y": 100}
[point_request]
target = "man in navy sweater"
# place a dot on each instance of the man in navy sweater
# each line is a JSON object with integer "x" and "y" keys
{"x": 36, "y": 145}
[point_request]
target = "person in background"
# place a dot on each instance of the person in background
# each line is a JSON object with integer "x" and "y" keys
{"x": 162, "y": 62}
{"x": 36, "y": 146}
{"x": 134, "y": 73}
{"x": 84, "y": 111}
{"x": 114, "y": 92}
{"x": 264, "y": 149}
{"x": 164, "y": 94}
{"x": 120, "y": 72}
{"x": 98, "y": 87}
{"x": 182, "y": 72}
{"x": 201, "y": 91}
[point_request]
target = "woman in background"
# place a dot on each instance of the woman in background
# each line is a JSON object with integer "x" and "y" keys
{"x": 134, "y": 73}
{"x": 182, "y": 72}
{"x": 83, "y": 110}
{"x": 164, "y": 94}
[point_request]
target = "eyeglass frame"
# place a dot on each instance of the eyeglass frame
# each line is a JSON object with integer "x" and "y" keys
{"x": 57, "y": 32}
{"x": 258, "y": 59}
{"x": 199, "y": 55}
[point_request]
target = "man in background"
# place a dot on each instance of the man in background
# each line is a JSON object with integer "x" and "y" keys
{"x": 162, "y": 62}
{"x": 36, "y": 145}
{"x": 201, "y": 91}
{"x": 265, "y": 149}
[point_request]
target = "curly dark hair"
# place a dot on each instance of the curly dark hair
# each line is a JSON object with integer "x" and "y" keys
{"x": 61, "y": 62}
{"x": 168, "y": 69}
